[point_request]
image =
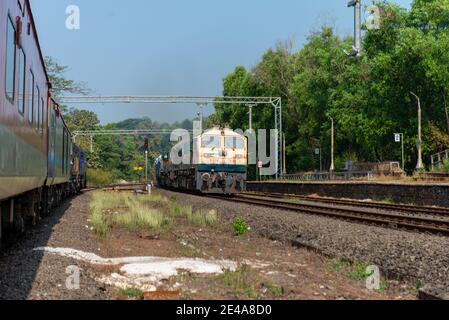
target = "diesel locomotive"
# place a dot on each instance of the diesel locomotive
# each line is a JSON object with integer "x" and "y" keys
{"x": 218, "y": 164}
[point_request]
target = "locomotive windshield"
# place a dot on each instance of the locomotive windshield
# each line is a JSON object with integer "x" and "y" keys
{"x": 234, "y": 143}
{"x": 211, "y": 141}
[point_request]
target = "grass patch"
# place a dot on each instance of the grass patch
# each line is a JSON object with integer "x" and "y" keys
{"x": 384, "y": 286}
{"x": 141, "y": 218}
{"x": 204, "y": 218}
{"x": 199, "y": 218}
{"x": 132, "y": 293}
{"x": 142, "y": 213}
{"x": 245, "y": 282}
{"x": 275, "y": 291}
{"x": 356, "y": 270}
{"x": 240, "y": 227}
{"x": 241, "y": 281}
{"x": 126, "y": 210}
{"x": 154, "y": 199}
{"x": 98, "y": 221}
{"x": 102, "y": 202}
{"x": 189, "y": 252}
{"x": 388, "y": 200}
{"x": 180, "y": 211}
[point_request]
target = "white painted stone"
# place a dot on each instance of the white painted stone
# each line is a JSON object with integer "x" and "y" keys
{"x": 144, "y": 272}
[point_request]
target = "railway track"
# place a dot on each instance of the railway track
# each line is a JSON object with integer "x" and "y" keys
{"x": 125, "y": 187}
{"x": 362, "y": 215}
{"x": 414, "y": 218}
{"x": 443, "y": 212}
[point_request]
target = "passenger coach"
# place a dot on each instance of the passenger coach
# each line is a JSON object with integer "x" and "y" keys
{"x": 35, "y": 143}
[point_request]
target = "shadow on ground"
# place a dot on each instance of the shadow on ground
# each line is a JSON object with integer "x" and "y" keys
{"x": 18, "y": 263}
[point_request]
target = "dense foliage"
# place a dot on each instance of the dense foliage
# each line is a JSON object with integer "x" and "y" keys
{"x": 119, "y": 155}
{"x": 369, "y": 97}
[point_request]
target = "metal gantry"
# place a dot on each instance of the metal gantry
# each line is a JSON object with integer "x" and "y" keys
{"x": 94, "y": 133}
{"x": 275, "y": 102}
{"x": 146, "y": 132}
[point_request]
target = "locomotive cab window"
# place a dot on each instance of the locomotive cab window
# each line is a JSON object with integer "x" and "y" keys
{"x": 211, "y": 142}
{"x": 10, "y": 70}
{"x": 234, "y": 143}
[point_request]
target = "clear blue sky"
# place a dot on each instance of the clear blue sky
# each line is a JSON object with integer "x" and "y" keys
{"x": 174, "y": 47}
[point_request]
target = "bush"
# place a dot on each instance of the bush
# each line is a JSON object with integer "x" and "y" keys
{"x": 445, "y": 167}
{"x": 99, "y": 178}
{"x": 240, "y": 227}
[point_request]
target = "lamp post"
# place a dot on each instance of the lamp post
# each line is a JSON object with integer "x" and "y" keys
{"x": 332, "y": 168}
{"x": 419, "y": 165}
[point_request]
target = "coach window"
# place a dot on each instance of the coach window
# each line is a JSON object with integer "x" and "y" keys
{"x": 53, "y": 119}
{"x": 41, "y": 118}
{"x": 67, "y": 159}
{"x": 63, "y": 153}
{"x": 10, "y": 70}
{"x": 31, "y": 98}
{"x": 22, "y": 81}
{"x": 37, "y": 97}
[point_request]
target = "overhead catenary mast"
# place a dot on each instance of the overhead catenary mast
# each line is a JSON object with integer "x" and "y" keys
{"x": 357, "y": 48}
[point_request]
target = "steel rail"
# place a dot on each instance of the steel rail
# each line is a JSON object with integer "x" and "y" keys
{"x": 375, "y": 205}
{"x": 385, "y": 219}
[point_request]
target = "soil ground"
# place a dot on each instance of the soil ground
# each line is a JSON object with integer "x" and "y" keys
{"x": 267, "y": 269}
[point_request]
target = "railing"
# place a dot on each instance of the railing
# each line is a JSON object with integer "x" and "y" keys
{"x": 339, "y": 176}
{"x": 439, "y": 159}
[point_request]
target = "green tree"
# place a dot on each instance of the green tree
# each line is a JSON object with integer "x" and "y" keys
{"x": 369, "y": 97}
{"x": 60, "y": 84}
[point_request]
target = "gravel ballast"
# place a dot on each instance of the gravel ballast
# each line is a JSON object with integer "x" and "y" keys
{"x": 421, "y": 258}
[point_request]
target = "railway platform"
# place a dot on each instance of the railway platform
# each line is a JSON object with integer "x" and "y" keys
{"x": 415, "y": 193}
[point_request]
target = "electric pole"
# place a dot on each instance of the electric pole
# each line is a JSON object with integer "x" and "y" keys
{"x": 420, "y": 164}
{"x": 250, "y": 113}
{"x": 200, "y": 114}
{"x": 146, "y": 161}
{"x": 332, "y": 168}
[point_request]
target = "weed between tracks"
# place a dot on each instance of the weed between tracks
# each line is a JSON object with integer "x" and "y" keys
{"x": 142, "y": 213}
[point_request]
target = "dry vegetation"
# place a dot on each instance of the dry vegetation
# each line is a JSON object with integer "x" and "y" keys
{"x": 142, "y": 213}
